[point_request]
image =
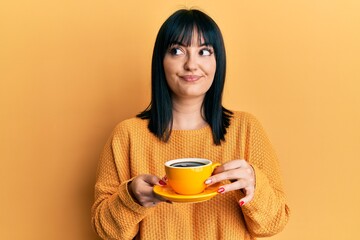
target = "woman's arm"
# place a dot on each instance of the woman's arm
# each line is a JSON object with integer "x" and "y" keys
{"x": 258, "y": 178}
{"x": 115, "y": 215}
{"x": 267, "y": 213}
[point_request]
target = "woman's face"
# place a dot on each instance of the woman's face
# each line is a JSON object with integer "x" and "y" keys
{"x": 190, "y": 70}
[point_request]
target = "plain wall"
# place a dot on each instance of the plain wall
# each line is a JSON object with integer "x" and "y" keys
{"x": 71, "y": 70}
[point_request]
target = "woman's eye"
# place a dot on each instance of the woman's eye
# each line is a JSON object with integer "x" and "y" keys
{"x": 206, "y": 52}
{"x": 175, "y": 51}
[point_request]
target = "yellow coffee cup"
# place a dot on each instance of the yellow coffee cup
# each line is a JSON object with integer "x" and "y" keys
{"x": 187, "y": 176}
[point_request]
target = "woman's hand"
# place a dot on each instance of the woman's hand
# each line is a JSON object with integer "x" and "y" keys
{"x": 241, "y": 175}
{"x": 141, "y": 189}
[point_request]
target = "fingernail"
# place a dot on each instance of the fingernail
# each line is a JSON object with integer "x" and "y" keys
{"x": 161, "y": 182}
{"x": 208, "y": 181}
{"x": 221, "y": 190}
{"x": 242, "y": 203}
{"x": 168, "y": 201}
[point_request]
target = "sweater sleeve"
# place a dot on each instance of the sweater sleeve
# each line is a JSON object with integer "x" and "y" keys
{"x": 114, "y": 213}
{"x": 267, "y": 213}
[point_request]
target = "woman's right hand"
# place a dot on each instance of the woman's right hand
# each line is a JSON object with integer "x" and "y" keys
{"x": 141, "y": 189}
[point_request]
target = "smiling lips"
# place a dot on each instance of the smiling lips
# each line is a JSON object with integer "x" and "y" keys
{"x": 191, "y": 78}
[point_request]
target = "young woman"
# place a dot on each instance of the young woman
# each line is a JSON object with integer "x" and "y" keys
{"x": 186, "y": 119}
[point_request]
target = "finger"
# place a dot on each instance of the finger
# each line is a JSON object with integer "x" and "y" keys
{"x": 229, "y": 175}
{"x": 237, "y": 185}
{"x": 234, "y": 164}
{"x": 150, "y": 200}
{"x": 143, "y": 185}
{"x": 163, "y": 181}
{"x": 150, "y": 204}
{"x": 248, "y": 197}
{"x": 158, "y": 198}
{"x": 161, "y": 199}
{"x": 154, "y": 180}
{"x": 142, "y": 188}
{"x": 154, "y": 201}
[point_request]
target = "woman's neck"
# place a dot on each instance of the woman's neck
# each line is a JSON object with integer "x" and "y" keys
{"x": 187, "y": 114}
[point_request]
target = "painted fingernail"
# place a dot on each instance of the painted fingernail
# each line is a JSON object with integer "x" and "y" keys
{"x": 208, "y": 181}
{"x": 242, "y": 203}
{"x": 161, "y": 182}
{"x": 168, "y": 201}
{"x": 221, "y": 190}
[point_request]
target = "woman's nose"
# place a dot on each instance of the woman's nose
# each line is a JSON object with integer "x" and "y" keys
{"x": 191, "y": 62}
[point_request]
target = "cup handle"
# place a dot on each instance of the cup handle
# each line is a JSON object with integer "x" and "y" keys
{"x": 215, "y": 165}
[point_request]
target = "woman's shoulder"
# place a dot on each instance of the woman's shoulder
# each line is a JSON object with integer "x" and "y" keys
{"x": 131, "y": 124}
{"x": 244, "y": 116}
{"x": 245, "y": 119}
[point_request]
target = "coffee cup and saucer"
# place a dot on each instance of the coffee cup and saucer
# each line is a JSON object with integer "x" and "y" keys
{"x": 186, "y": 180}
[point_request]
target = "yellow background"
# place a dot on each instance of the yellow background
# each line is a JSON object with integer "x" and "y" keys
{"x": 70, "y": 70}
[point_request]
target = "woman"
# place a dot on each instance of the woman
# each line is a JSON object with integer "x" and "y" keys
{"x": 186, "y": 119}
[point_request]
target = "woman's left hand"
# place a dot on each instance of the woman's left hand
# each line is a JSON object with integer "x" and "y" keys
{"x": 241, "y": 175}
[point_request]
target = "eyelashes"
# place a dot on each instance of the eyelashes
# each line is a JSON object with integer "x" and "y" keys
{"x": 206, "y": 52}
{"x": 175, "y": 51}
{"x": 178, "y": 50}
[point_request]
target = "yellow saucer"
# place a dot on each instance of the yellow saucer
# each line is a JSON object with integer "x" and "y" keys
{"x": 168, "y": 193}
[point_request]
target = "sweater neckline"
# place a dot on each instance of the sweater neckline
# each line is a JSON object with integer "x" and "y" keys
{"x": 191, "y": 131}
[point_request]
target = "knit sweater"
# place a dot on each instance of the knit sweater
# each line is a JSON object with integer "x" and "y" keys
{"x": 132, "y": 150}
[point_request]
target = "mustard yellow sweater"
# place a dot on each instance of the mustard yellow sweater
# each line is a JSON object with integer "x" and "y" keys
{"x": 132, "y": 150}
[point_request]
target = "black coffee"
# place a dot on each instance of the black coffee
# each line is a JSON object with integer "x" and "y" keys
{"x": 187, "y": 164}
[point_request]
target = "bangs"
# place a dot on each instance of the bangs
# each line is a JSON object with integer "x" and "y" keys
{"x": 182, "y": 29}
{"x": 185, "y": 36}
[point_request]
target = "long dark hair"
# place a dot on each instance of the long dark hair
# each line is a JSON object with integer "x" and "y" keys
{"x": 178, "y": 28}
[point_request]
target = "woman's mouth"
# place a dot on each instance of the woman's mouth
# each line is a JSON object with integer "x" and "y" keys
{"x": 190, "y": 78}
